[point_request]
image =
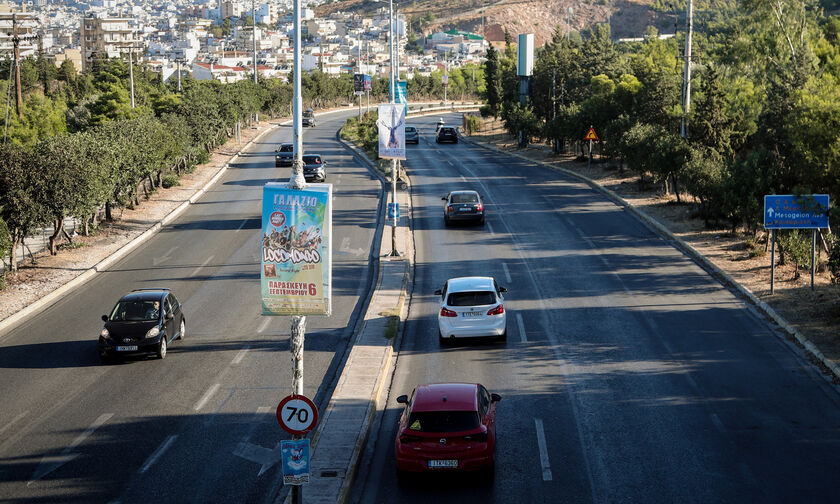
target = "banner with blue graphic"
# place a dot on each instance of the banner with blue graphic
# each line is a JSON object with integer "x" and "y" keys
{"x": 295, "y": 460}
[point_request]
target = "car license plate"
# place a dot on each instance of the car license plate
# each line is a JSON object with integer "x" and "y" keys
{"x": 465, "y": 209}
{"x": 471, "y": 313}
{"x": 131, "y": 348}
{"x": 443, "y": 464}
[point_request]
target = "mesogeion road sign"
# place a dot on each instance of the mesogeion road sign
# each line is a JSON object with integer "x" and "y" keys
{"x": 789, "y": 211}
{"x": 297, "y": 414}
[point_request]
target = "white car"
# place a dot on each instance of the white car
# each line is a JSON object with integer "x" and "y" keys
{"x": 471, "y": 307}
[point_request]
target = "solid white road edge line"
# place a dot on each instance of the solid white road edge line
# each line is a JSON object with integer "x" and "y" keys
{"x": 14, "y": 420}
{"x": 207, "y": 395}
{"x": 156, "y": 455}
{"x": 546, "y": 467}
{"x": 521, "y": 325}
{"x": 490, "y": 228}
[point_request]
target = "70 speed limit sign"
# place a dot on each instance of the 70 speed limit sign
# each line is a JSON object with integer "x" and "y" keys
{"x": 297, "y": 414}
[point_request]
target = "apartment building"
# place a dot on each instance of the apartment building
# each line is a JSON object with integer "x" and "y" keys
{"x": 104, "y": 37}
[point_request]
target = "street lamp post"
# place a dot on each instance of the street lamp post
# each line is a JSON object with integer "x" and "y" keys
{"x": 254, "y": 35}
{"x": 394, "y": 251}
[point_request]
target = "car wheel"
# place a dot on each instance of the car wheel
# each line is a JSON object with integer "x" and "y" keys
{"x": 183, "y": 329}
{"x": 489, "y": 473}
{"x": 104, "y": 358}
{"x": 443, "y": 341}
{"x": 455, "y": 141}
{"x": 161, "y": 351}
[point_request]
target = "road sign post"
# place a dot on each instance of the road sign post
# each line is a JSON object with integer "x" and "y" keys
{"x": 791, "y": 211}
{"x": 590, "y": 135}
{"x": 297, "y": 414}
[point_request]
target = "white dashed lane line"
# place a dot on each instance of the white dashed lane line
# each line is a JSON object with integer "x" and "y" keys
{"x": 521, "y": 325}
{"x": 156, "y": 455}
{"x": 264, "y": 324}
{"x": 490, "y": 228}
{"x": 195, "y": 271}
{"x": 242, "y": 225}
{"x": 507, "y": 273}
{"x": 240, "y": 355}
{"x": 546, "y": 467}
{"x": 14, "y": 420}
{"x": 207, "y": 395}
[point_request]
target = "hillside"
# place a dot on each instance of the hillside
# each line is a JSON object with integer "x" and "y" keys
{"x": 628, "y": 18}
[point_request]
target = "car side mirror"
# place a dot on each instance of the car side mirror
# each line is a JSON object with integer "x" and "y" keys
{"x": 495, "y": 398}
{"x": 104, "y": 318}
{"x": 170, "y": 316}
{"x": 439, "y": 292}
{"x": 443, "y": 198}
{"x": 403, "y": 399}
{"x": 502, "y": 289}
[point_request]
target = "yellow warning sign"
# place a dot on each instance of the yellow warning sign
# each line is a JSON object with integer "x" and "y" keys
{"x": 590, "y": 135}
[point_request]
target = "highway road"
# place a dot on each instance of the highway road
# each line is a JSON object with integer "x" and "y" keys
{"x": 629, "y": 373}
{"x": 198, "y": 426}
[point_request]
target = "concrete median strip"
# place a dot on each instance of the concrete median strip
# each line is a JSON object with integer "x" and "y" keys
{"x": 345, "y": 426}
{"x": 719, "y": 273}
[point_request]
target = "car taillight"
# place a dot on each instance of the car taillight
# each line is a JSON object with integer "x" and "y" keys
{"x": 481, "y": 437}
{"x": 447, "y": 313}
{"x": 405, "y": 438}
{"x": 479, "y": 207}
{"x": 450, "y": 208}
{"x": 497, "y": 310}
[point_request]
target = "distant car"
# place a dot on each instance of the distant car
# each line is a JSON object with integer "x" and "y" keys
{"x": 447, "y": 134}
{"x": 284, "y": 155}
{"x": 411, "y": 135}
{"x": 447, "y": 427}
{"x": 314, "y": 168}
{"x": 463, "y": 206}
{"x": 309, "y": 117}
{"x": 471, "y": 307}
{"x": 144, "y": 321}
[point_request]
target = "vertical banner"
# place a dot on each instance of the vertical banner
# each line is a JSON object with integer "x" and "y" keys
{"x": 296, "y": 250}
{"x": 402, "y": 94}
{"x": 295, "y": 460}
{"x": 391, "y": 126}
{"x": 368, "y": 83}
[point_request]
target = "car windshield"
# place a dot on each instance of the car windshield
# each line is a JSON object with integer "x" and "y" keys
{"x": 312, "y": 159}
{"x": 135, "y": 311}
{"x": 308, "y": 113}
{"x": 447, "y": 130}
{"x": 444, "y": 421}
{"x": 287, "y": 148}
{"x": 409, "y": 129}
{"x": 474, "y": 298}
{"x": 465, "y": 198}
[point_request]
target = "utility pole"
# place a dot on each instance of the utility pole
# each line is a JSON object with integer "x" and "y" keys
{"x": 18, "y": 94}
{"x": 179, "y": 73}
{"x": 254, "y": 35}
{"x": 686, "y": 105}
{"x": 554, "y": 103}
{"x": 394, "y": 175}
{"x": 131, "y": 72}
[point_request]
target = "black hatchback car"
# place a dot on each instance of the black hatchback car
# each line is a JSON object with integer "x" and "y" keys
{"x": 144, "y": 321}
{"x": 284, "y": 155}
{"x": 447, "y": 134}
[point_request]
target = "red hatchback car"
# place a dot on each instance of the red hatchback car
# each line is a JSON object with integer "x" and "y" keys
{"x": 447, "y": 427}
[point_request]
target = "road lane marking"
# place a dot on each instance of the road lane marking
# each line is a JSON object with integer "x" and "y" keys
{"x": 156, "y": 455}
{"x": 50, "y": 463}
{"x": 521, "y": 326}
{"x": 264, "y": 324}
{"x": 546, "y": 468}
{"x": 14, "y": 420}
{"x": 165, "y": 257}
{"x": 462, "y": 178}
{"x": 718, "y": 424}
{"x": 507, "y": 273}
{"x": 240, "y": 355}
{"x": 242, "y": 225}
{"x": 207, "y": 395}
{"x": 490, "y": 228}
{"x": 195, "y": 271}
{"x": 264, "y": 409}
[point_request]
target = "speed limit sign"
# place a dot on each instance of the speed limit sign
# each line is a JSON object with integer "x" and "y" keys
{"x": 297, "y": 414}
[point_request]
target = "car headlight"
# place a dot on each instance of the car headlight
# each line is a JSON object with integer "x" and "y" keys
{"x": 104, "y": 333}
{"x": 153, "y": 332}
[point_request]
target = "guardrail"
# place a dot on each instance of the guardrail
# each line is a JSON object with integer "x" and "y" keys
{"x": 423, "y": 109}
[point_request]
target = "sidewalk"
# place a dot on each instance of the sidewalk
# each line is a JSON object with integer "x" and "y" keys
{"x": 343, "y": 430}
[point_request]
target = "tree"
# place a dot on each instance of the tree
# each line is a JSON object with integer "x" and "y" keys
{"x": 20, "y": 206}
{"x": 492, "y": 82}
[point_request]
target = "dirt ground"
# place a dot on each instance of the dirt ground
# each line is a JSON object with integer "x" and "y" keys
{"x": 815, "y": 314}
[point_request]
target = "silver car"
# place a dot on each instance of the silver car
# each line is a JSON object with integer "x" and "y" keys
{"x": 411, "y": 135}
{"x": 471, "y": 307}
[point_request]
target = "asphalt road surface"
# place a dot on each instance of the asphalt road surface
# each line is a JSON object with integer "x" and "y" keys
{"x": 629, "y": 373}
{"x": 200, "y": 425}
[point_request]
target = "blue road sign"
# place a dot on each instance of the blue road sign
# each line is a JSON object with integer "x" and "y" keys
{"x": 393, "y": 210}
{"x": 788, "y": 211}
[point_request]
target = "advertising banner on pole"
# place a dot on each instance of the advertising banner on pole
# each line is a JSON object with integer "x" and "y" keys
{"x": 402, "y": 94}
{"x": 295, "y": 460}
{"x": 296, "y": 250}
{"x": 391, "y": 126}
{"x": 368, "y": 82}
{"x": 358, "y": 82}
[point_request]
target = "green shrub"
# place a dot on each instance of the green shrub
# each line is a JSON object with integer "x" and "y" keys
{"x": 834, "y": 258}
{"x": 797, "y": 247}
{"x": 170, "y": 180}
